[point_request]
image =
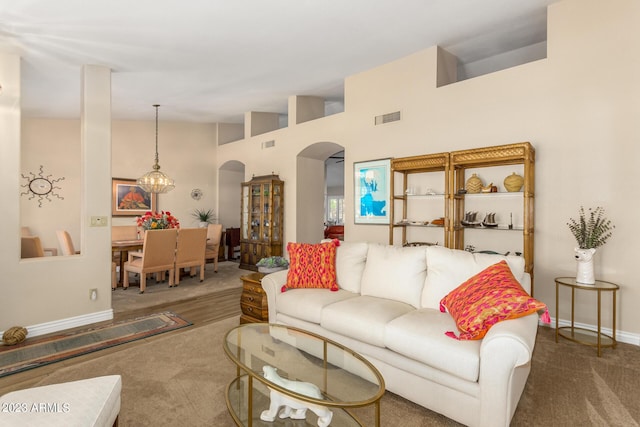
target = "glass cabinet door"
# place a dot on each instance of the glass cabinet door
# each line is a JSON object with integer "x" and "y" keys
{"x": 256, "y": 211}
{"x": 277, "y": 211}
{"x": 245, "y": 212}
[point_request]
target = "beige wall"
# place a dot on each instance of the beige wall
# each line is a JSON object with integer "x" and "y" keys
{"x": 54, "y": 145}
{"x": 578, "y": 107}
{"x": 187, "y": 152}
{"x": 35, "y": 292}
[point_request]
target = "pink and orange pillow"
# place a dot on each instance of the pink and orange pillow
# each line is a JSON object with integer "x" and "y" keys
{"x": 487, "y": 298}
{"x": 312, "y": 266}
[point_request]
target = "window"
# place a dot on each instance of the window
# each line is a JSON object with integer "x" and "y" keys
{"x": 335, "y": 210}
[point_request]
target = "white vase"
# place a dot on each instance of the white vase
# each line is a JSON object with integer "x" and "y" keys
{"x": 203, "y": 224}
{"x": 584, "y": 259}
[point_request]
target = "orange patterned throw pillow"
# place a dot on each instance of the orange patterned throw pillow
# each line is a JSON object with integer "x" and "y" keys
{"x": 312, "y": 265}
{"x": 487, "y": 298}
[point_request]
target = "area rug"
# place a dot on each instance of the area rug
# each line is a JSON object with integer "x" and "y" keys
{"x": 38, "y": 352}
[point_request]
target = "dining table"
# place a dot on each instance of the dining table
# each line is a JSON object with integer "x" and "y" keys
{"x": 124, "y": 247}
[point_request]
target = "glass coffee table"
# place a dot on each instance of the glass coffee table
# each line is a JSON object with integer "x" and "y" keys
{"x": 343, "y": 378}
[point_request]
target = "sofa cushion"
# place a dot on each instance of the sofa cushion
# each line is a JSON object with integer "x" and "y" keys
{"x": 312, "y": 265}
{"x": 488, "y": 297}
{"x": 394, "y": 272}
{"x": 448, "y": 268}
{"x": 363, "y": 318}
{"x": 307, "y": 304}
{"x": 350, "y": 262}
{"x": 420, "y": 335}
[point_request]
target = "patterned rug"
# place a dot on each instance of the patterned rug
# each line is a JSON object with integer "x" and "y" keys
{"x": 32, "y": 353}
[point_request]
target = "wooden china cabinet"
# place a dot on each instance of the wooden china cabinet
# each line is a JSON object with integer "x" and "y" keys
{"x": 261, "y": 220}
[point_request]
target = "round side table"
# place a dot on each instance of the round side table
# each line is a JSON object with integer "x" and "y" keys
{"x": 586, "y": 336}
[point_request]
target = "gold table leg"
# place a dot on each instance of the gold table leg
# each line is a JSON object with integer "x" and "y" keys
{"x": 599, "y": 324}
{"x": 557, "y": 315}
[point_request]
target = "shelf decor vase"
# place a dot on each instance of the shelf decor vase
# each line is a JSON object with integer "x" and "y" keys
{"x": 584, "y": 258}
{"x": 474, "y": 184}
{"x": 514, "y": 182}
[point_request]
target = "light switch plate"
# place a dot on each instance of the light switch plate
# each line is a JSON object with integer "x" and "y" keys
{"x": 98, "y": 221}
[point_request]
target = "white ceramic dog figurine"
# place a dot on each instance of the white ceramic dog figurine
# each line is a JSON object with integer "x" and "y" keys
{"x": 584, "y": 274}
{"x": 293, "y": 408}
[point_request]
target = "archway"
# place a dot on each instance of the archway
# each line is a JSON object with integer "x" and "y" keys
{"x": 230, "y": 176}
{"x": 311, "y": 190}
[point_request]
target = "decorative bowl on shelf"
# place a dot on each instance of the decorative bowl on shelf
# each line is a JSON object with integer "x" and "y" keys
{"x": 513, "y": 182}
{"x": 474, "y": 184}
{"x": 438, "y": 221}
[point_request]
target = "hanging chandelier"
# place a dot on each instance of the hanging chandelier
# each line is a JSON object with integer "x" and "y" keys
{"x": 156, "y": 181}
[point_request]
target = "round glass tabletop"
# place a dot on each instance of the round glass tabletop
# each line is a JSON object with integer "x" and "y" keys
{"x": 344, "y": 378}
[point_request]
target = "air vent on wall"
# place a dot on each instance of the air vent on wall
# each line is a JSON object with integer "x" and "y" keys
{"x": 268, "y": 144}
{"x": 387, "y": 118}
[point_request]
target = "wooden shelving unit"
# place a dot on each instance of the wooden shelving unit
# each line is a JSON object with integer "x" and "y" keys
{"x": 503, "y": 155}
{"x": 403, "y": 168}
{"x": 455, "y": 166}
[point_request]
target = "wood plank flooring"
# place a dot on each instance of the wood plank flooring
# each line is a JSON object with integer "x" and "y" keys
{"x": 198, "y": 310}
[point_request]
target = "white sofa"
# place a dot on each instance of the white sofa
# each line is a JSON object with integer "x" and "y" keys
{"x": 387, "y": 309}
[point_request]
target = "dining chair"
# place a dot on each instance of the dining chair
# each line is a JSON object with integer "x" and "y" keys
{"x": 66, "y": 244}
{"x": 190, "y": 251}
{"x": 157, "y": 256}
{"x": 26, "y": 232}
{"x": 114, "y": 281}
{"x": 122, "y": 232}
{"x": 233, "y": 242}
{"x": 31, "y": 247}
{"x": 214, "y": 234}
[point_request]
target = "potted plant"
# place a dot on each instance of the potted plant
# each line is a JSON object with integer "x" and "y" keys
{"x": 272, "y": 264}
{"x": 591, "y": 231}
{"x": 205, "y": 217}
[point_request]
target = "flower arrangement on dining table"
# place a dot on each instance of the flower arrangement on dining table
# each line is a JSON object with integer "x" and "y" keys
{"x": 157, "y": 221}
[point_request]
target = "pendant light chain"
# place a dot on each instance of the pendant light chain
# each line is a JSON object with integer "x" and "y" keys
{"x": 157, "y": 165}
{"x": 156, "y": 181}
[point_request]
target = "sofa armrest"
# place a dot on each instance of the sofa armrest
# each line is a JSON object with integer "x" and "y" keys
{"x": 272, "y": 283}
{"x": 505, "y": 355}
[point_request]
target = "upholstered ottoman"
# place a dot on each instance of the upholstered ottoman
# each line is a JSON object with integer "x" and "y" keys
{"x": 90, "y": 402}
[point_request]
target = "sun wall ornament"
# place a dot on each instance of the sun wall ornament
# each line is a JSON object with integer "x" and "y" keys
{"x": 41, "y": 186}
{"x": 196, "y": 194}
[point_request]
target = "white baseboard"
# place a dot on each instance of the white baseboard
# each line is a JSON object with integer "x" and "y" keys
{"x": 621, "y": 336}
{"x": 68, "y": 323}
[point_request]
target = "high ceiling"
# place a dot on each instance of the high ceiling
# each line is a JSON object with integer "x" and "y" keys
{"x": 214, "y": 60}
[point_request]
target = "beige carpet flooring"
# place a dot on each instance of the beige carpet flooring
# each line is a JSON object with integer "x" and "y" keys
{"x": 180, "y": 379}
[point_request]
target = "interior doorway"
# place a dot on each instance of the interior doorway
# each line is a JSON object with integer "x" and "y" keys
{"x": 334, "y": 196}
{"x": 312, "y": 188}
{"x": 230, "y": 178}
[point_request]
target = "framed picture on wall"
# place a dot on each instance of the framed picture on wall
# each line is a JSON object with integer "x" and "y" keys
{"x": 371, "y": 191}
{"x": 130, "y": 200}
